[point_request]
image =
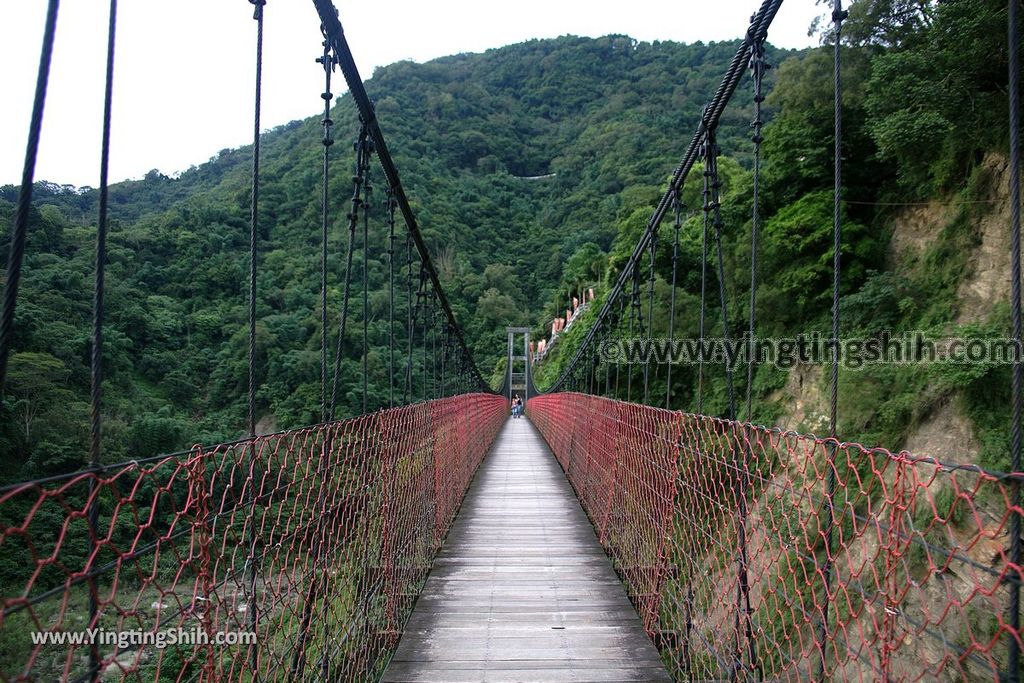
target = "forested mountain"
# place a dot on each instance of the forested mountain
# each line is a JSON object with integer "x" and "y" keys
{"x": 925, "y": 233}
{"x": 601, "y": 119}
{"x": 533, "y": 169}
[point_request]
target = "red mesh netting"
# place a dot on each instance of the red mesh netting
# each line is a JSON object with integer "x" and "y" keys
{"x": 316, "y": 540}
{"x": 720, "y": 532}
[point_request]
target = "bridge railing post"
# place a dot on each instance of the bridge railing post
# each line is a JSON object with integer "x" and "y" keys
{"x": 1013, "y": 638}
{"x": 739, "y": 443}
{"x": 570, "y": 468}
{"x": 893, "y": 549}
{"x": 442, "y": 471}
{"x": 667, "y": 441}
{"x": 614, "y": 479}
{"x": 371, "y": 440}
{"x": 322, "y": 446}
{"x": 389, "y": 455}
{"x": 199, "y": 507}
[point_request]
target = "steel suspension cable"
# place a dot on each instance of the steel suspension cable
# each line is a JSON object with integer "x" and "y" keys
{"x": 603, "y": 362}
{"x": 457, "y": 370}
{"x": 336, "y": 35}
{"x": 607, "y": 366}
{"x": 1017, "y": 386}
{"x": 702, "y": 327}
{"x": 414, "y": 316}
{"x": 409, "y": 330}
{"x": 618, "y": 328}
{"x": 367, "y": 191}
{"x": 424, "y": 302}
{"x": 390, "y": 206}
{"x": 428, "y": 336}
{"x": 838, "y": 15}
{"x": 458, "y": 374}
{"x": 758, "y": 66}
{"x": 592, "y": 373}
{"x": 254, "y": 214}
{"x": 743, "y": 614}
{"x": 328, "y": 61}
{"x": 433, "y": 348}
{"x": 353, "y": 220}
{"x": 298, "y": 663}
{"x": 650, "y": 312}
{"x": 677, "y": 224}
{"x": 638, "y": 305}
{"x": 634, "y": 303}
{"x": 24, "y": 206}
{"x": 96, "y": 361}
{"x": 444, "y": 359}
{"x": 712, "y": 114}
{"x": 253, "y": 242}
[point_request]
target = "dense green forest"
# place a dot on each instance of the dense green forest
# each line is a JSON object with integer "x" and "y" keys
{"x": 924, "y": 152}
{"x": 466, "y": 132}
{"x": 532, "y": 169}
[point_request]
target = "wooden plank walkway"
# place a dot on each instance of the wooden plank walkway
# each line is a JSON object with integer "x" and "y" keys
{"x": 521, "y": 592}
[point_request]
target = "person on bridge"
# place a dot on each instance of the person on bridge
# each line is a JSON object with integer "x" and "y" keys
{"x": 517, "y": 406}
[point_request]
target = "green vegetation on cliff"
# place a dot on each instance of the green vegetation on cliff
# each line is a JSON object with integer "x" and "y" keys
{"x": 924, "y": 124}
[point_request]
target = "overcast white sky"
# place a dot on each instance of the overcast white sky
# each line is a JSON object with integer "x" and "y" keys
{"x": 184, "y": 71}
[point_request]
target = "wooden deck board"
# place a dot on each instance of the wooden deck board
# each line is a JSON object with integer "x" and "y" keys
{"x": 522, "y": 592}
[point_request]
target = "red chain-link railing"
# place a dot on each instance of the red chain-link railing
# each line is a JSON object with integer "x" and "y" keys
{"x": 317, "y": 540}
{"x": 720, "y": 532}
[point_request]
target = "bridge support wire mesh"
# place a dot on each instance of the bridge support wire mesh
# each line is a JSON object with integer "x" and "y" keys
{"x": 347, "y": 517}
{"x": 920, "y": 562}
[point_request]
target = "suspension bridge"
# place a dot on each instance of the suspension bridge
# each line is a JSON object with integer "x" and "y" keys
{"x": 433, "y": 539}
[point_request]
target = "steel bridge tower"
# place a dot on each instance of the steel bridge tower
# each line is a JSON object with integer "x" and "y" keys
{"x": 517, "y": 373}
